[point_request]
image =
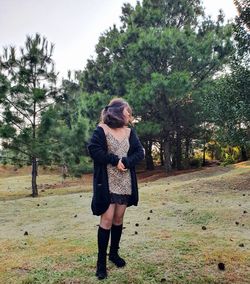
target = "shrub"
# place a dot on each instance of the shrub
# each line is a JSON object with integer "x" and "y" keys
{"x": 195, "y": 162}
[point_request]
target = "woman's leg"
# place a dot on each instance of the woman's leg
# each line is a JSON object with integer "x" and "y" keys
{"x": 107, "y": 217}
{"x": 119, "y": 214}
{"x": 102, "y": 240}
{"x": 116, "y": 232}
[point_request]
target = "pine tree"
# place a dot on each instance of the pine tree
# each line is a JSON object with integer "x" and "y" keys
{"x": 27, "y": 88}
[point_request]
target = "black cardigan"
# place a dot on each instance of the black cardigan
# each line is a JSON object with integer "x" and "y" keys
{"x": 98, "y": 151}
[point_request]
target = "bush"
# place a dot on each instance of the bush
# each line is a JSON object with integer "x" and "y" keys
{"x": 195, "y": 162}
{"x": 228, "y": 160}
{"x": 214, "y": 150}
{"x": 230, "y": 155}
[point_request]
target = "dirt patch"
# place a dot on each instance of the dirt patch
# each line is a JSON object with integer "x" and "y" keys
{"x": 21, "y": 270}
{"x": 242, "y": 183}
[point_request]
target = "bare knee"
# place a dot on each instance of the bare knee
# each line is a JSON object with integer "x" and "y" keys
{"x": 107, "y": 217}
{"x": 118, "y": 214}
{"x": 118, "y": 220}
{"x": 106, "y": 223}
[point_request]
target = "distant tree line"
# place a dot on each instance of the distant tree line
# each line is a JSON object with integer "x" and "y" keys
{"x": 185, "y": 75}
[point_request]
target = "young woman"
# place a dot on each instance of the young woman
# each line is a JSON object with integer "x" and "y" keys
{"x": 115, "y": 149}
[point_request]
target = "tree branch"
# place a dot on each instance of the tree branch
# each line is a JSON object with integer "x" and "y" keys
{"x": 17, "y": 149}
{"x": 13, "y": 123}
{"x": 19, "y": 110}
{"x": 204, "y": 76}
{"x": 13, "y": 158}
{"x": 43, "y": 107}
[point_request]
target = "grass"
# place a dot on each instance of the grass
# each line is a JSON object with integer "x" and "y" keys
{"x": 183, "y": 227}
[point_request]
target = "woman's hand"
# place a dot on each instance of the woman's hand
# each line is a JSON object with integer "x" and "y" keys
{"x": 120, "y": 166}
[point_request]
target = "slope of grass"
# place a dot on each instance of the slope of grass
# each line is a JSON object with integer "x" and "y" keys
{"x": 183, "y": 227}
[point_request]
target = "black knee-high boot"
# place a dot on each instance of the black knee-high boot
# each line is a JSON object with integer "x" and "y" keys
{"x": 102, "y": 239}
{"x": 116, "y": 232}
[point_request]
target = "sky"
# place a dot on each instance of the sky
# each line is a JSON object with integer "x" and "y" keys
{"x": 74, "y": 26}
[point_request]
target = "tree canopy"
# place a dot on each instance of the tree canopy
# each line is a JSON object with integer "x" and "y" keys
{"x": 161, "y": 60}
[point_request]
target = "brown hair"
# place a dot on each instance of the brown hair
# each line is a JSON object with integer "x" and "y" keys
{"x": 112, "y": 114}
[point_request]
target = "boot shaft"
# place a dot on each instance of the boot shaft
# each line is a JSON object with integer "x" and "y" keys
{"x": 103, "y": 240}
{"x": 116, "y": 232}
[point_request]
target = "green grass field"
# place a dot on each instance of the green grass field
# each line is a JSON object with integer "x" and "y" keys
{"x": 183, "y": 227}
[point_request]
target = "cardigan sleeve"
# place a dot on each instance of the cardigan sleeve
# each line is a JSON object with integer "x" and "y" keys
{"x": 97, "y": 150}
{"x": 137, "y": 152}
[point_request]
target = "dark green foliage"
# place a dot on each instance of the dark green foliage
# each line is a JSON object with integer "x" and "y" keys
{"x": 161, "y": 60}
{"x": 67, "y": 126}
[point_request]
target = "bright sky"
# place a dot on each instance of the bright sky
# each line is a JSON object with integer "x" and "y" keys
{"x": 74, "y": 26}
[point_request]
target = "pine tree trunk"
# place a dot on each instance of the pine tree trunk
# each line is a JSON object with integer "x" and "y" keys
{"x": 212, "y": 154}
{"x": 187, "y": 145}
{"x": 187, "y": 149}
{"x": 204, "y": 154}
{"x": 34, "y": 175}
{"x": 34, "y": 161}
{"x": 149, "y": 158}
{"x": 178, "y": 149}
{"x": 243, "y": 154}
{"x": 162, "y": 154}
{"x": 167, "y": 154}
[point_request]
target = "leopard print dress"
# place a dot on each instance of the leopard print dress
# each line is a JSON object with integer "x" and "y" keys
{"x": 119, "y": 182}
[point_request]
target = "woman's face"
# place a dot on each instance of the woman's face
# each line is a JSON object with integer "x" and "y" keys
{"x": 126, "y": 115}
